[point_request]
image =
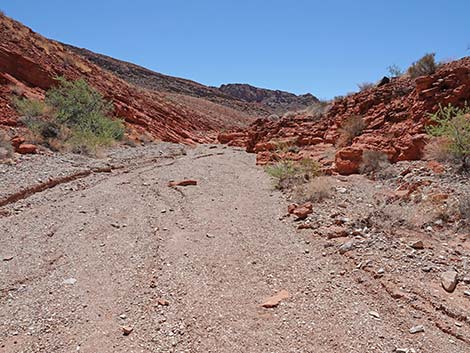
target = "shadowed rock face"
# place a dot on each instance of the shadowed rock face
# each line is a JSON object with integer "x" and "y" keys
{"x": 395, "y": 115}
{"x": 278, "y": 101}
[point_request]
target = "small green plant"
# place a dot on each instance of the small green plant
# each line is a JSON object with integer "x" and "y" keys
{"x": 29, "y": 108}
{"x": 452, "y": 125}
{"x": 424, "y": 66}
{"x": 395, "y": 71}
{"x": 289, "y": 173}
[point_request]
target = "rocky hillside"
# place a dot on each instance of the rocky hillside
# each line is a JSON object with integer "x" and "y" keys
{"x": 29, "y": 63}
{"x": 252, "y": 100}
{"x": 394, "y": 117}
{"x": 278, "y": 101}
{"x": 143, "y": 77}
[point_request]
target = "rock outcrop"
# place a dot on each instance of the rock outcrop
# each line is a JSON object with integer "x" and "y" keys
{"x": 276, "y": 101}
{"x": 395, "y": 115}
{"x": 29, "y": 63}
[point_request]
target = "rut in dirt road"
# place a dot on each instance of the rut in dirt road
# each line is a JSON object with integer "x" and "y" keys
{"x": 186, "y": 269}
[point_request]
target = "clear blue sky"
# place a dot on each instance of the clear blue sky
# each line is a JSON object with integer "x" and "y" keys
{"x": 322, "y": 47}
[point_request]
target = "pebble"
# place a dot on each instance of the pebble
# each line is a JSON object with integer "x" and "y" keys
{"x": 71, "y": 281}
{"x": 418, "y": 245}
{"x": 417, "y": 329}
{"x": 346, "y": 247}
{"x": 126, "y": 330}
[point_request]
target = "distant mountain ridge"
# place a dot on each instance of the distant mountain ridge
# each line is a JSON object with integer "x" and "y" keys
{"x": 261, "y": 101}
{"x": 277, "y": 100}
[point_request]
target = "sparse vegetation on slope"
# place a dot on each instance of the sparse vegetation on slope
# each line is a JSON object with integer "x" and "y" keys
{"x": 424, "y": 66}
{"x": 452, "y": 125}
{"x": 73, "y": 113}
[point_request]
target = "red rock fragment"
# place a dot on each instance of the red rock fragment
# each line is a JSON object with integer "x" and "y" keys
{"x": 182, "y": 183}
{"x": 274, "y": 300}
{"x": 26, "y": 148}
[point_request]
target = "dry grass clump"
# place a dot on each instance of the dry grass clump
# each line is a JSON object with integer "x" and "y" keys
{"x": 6, "y": 149}
{"x": 316, "y": 190}
{"x": 350, "y": 128}
{"x": 425, "y": 66}
{"x": 464, "y": 207}
{"x": 365, "y": 86}
{"x": 373, "y": 161}
{"x": 438, "y": 149}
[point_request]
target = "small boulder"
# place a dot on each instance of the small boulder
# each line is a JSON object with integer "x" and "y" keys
{"x": 418, "y": 245}
{"x": 26, "y": 148}
{"x": 302, "y": 211}
{"x": 449, "y": 281}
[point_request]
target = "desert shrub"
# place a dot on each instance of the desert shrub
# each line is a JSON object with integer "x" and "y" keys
{"x": 6, "y": 149}
{"x": 365, "y": 86}
{"x": 317, "y": 109}
{"x": 438, "y": 149}
{"x": 394, "y": 71}
{"x": 452, "y": 125}
{"x": 73, "y": 114}
{"x": 424, "y": 66}
{"x": 316, "y": 190}
{"x": 289, "y": 174}
{"x": 30, "y": 108}
{"x": 373, "y": 161}
{"x": 350, "y": 128}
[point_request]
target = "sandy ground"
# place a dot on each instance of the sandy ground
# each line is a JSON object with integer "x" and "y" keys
{"x": 187, "y": 269}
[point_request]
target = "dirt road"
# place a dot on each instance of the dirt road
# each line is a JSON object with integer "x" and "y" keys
{"x": 187, "y": 269}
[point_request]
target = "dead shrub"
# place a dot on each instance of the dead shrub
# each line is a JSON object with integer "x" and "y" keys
{"x": 438, "y": 149}
{"x": 316, "y": 190}
{"x": 365, "y": 86}
{"x": 350, "y": 128}
{"x": 6, "y": 149}
{"x": 424, "y": 66}
{"x": 464, "y": 207}
{"x": 373, "y": 161}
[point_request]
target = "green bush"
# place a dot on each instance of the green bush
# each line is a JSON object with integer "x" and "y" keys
{"x": 73, "y": 112}
{"x": 289, "y": 174}
{"x": 29, "y": 108}
{"x": 453, "y": 125}
{"x": 424, "y": 66}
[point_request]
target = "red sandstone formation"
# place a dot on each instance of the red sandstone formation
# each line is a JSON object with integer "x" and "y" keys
{"x": 29, "y": 63}
{"x": 395, "y": 115}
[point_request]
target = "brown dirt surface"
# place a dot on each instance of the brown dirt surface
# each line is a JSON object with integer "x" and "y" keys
{"x": 120, "y": 262}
